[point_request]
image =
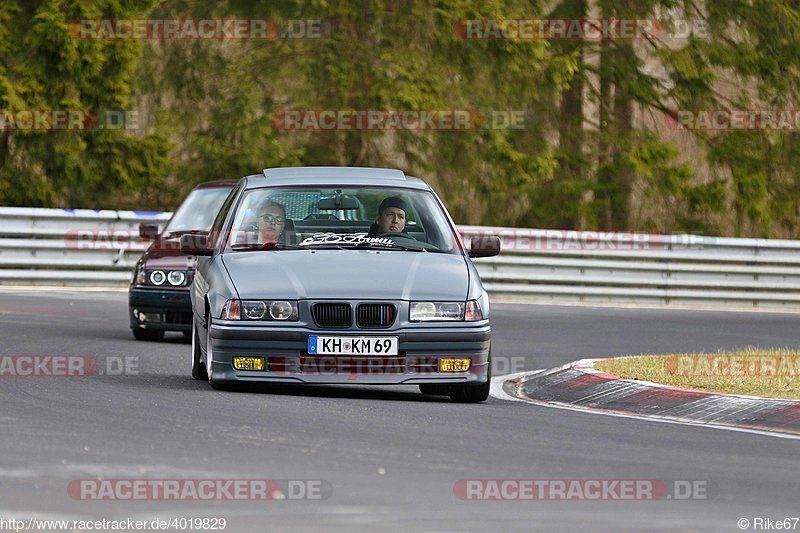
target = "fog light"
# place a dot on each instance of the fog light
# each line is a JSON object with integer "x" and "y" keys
{"x": 454, "y": 365}
{"x": 149, "y": 317}
{"x": 248, "y": 363}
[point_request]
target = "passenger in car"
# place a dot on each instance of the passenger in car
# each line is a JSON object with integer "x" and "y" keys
{"x": 271, "y": 221}
{"x": 391, "y": 217}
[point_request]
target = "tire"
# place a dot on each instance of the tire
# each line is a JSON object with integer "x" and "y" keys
{"x": 473, "y": 393}
{"x": 198, "y": 368}
{"x": 210, "y": 359}
{"x": 152, "y": 335}
{"x": 470, "y": 393}
{"x": 434, "y": 389}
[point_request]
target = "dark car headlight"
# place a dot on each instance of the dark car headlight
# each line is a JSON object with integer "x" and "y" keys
{"x": 176, "y": 278}
{"x": 468, "y": 311}
{"x": 161, "y": 278}
{"x": 157, "y": 277}
{"x": 272, "y": 310}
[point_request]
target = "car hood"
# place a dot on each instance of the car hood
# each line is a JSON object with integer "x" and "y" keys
{"x": 166, "y": 254}
{"x": 348, "y": 274}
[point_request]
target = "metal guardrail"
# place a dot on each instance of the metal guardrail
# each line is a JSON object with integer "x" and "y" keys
{"x": 99, "y": 248}
{"x": 70, "y": 247}
{"x": 685, "y": 270}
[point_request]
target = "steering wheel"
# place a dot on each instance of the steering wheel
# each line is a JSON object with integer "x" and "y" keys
{"x": 396, "y": 234}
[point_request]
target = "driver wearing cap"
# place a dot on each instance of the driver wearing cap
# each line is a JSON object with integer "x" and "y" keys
{"x": 391, "y": 217}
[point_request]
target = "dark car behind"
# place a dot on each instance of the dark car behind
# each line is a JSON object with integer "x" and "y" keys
{"x": 158, "y": 297}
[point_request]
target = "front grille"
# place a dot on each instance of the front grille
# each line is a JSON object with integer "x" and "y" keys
{"x": 332, "y": 315}
{"x": 375, "y": 315}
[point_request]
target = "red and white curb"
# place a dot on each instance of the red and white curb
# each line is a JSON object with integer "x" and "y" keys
{"x": 579, "y": 386}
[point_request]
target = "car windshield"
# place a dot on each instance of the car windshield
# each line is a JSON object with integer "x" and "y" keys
{"x": 343, "y": 218}
{"x": 197, "y": 211}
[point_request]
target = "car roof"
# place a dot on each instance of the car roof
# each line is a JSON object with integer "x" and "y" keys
{"x": 219, "y": 184}
{"x": 334, "y": 176}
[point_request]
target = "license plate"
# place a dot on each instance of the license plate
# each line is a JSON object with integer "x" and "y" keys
{"x": 319, "y": 345}
{"x": 454, "y": 365}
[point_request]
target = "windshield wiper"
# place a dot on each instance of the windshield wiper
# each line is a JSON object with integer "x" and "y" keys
{"x": 329, "y": 246}
{"x": 260, "y": 246}
{"x": 420, "y": 247}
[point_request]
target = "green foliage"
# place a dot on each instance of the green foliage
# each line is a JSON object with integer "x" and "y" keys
{"x": 42, "y": 67}
{"x": 593, "y": 153}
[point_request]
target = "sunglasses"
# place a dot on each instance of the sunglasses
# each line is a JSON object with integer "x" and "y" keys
{"x": 273, "y": 218}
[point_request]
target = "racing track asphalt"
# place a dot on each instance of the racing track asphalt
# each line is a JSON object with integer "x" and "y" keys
{"x": 391, "y": 454}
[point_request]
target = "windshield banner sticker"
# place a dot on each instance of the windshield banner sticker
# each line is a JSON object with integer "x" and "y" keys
{"x": 340, "y": 238}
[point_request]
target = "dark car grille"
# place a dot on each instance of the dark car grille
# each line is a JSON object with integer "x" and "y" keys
{"x": 375, "y": 315}
{"x": 332, "y": 315}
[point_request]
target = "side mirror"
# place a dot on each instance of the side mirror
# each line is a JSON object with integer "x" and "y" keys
{"x": 148, "y": 231}
{"x": 484, "y": 246}
{"x": 196, "y": 244}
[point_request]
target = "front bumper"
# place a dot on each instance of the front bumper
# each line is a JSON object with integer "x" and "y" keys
{"x": 288, "y": 361}
{"x": 159, "y": 309}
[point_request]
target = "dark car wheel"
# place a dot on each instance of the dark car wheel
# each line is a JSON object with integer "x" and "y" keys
{"x": 153, "y": 335}
{"x": 198, "y": 368}
{"x": 434, "y": 389}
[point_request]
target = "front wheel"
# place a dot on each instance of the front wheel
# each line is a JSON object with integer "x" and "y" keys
{"x": 210, "y": 359}
{"x": 198, "y": 369}
{"x": 473, "y": 393}
{"x": 434, "y": 389}
{"x": 470, "y": 393}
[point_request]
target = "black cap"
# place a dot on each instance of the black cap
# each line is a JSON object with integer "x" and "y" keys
{"x": 393, "y": 201}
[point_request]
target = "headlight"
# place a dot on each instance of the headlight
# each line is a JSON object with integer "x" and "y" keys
{"x": 176, "y": 278}
{"x": 445, "y": 311}
{"x": 157, "y": 277}
{"x": 279, "y": 310}
{"x": 254, "y": 310}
